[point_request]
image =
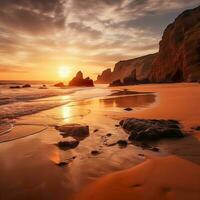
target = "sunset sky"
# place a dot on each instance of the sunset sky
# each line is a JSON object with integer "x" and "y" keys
{"x": 53, "y": 39}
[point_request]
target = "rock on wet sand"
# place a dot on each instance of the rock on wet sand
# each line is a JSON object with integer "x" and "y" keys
{"x": 128, "y": 109}
{"x": 122, "y": 143}
{"x": 74, "y": 130}
{"x": 151, "y": 129}
{"x": 65, "y": 145}
{"x": 95, "y": 152}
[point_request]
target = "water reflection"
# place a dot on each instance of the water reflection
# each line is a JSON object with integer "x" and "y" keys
{"x": 66, "y": 112}
{"x": 128, "y": 101}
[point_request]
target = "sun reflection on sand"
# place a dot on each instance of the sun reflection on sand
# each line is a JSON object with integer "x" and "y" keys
{"x": 66, "y": 112}
{"x": 66, "y": 97}
{"x": 55, "y": 156}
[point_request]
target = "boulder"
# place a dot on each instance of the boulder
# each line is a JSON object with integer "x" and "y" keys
{"x": 15, "y": 87}
{"x": 26, "y": 86}
{"x": 95, "y": 152}
{"x": 70, "y": 144}
{"x": 122, "y": 143}
{"x": 76, "y": 131}
{"x": 151, "y": 129}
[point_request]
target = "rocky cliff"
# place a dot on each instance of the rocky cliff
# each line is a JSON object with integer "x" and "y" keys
{"x": 138, "y": 67}
{"x": 105, "y": 77}
{"x": 178, "y": 58}
{"x": 179, "y": 52}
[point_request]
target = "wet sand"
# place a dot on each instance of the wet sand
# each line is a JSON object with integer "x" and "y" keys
{"x": 29, "y": 167}
{"x": 169, "y": 178}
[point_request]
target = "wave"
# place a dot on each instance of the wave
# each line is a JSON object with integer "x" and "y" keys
{"x": 22, "y": 102}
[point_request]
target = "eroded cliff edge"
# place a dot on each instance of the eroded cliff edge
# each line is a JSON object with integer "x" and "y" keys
{"x": 178, "y": 58}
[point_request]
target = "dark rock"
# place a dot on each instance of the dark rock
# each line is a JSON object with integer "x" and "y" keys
{"x": 95, "y": 152}
{"x": 60, "y": 84}
{"x": 128, "y": 92}
{"x": 117, "y": 125}
{"x": 62, "y": 164}
{"x": 140, "y": 154}
{"x": 109, "y": 134}
{"x": 122, "y": 143}
{"x": 26, "y": 86}
{"x": 15, "y": 87}
{"x": 78, "y": 80}
{"x": 116, "y": 83}
{"x": 95, "y": 130}
{"x": 145, "y": 146}
{"x": 128, "y": 109}
{"x": 197, "y": 128}
{"x": 147, "y": 129}
{"x": 155, "y": 149}
{"x": 65, "y": 145}
{"x": 43, "y": 87}
{"x": 75, "y": 130}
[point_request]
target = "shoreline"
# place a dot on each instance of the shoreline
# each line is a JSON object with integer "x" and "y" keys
{"x": 40, "y": 151}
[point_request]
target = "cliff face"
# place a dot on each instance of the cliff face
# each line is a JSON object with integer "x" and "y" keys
{"x": 178, "y": 58}
{"x": 105, "y": 77}
{"x": 140, "y": 68}
{"x": 179, "y": 52}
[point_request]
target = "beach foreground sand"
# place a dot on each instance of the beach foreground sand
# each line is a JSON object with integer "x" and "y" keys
{"x": 169, "y": 178}
{"x": 30, "y": 157}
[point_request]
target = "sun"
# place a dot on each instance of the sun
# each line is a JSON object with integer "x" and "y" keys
{"x": 63, "y": 71}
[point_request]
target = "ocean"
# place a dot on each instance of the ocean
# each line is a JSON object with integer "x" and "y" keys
{"x": 23, "y": 101}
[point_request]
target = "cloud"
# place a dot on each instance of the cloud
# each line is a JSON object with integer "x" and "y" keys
{"x": 12, "y": 69}
{"x": 80, "y": 28}
{"x": 87, "y": 33}
{"x": 32, "y": 16}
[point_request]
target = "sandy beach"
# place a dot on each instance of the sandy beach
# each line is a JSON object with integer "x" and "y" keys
{"x": 29, "y": 159}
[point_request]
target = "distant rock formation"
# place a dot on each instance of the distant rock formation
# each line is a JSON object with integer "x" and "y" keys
{"x": 178, "y": 58}
{"x": 18, "y": 86}
{"x": 60, "y": 84}
{"x": 78, "y": 80}
{"x": 134, "y": 71}
{"x": 105, "y": 77}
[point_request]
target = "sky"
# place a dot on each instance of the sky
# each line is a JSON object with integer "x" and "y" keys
{"x": 53, "y": 39}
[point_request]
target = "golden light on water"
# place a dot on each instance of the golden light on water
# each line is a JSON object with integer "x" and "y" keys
{"x": 66, "y": 112}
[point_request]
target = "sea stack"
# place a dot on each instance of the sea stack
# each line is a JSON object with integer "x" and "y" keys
{"x": 78, "y": 80}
